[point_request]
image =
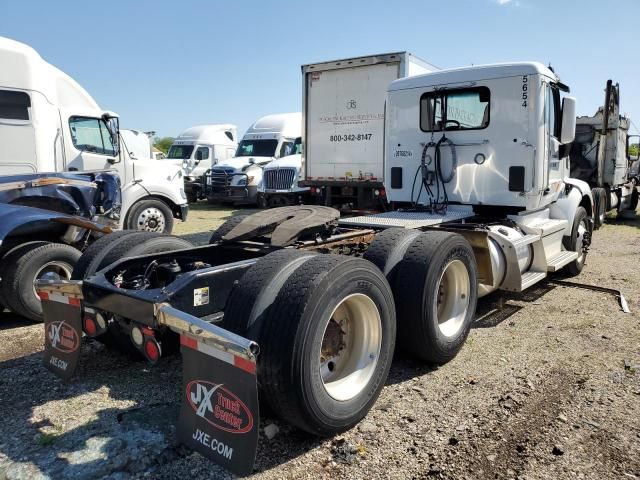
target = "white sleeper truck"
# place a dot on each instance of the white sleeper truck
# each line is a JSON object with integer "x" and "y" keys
{"x": 343, "y": 106}
{"x": 236, "y": 180}
{"x": 49, "y": 123}
{"x": 600, "y": 156}
{"x": 300, "y": 305}
{"x": 198, "y": 149}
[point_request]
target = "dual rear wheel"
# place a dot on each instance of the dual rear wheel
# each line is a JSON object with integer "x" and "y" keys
{"x": 326, "y": 324}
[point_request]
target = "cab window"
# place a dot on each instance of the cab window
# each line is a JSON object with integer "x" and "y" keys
{"x": 14, "y": 105}
{"x": 460, "y": 109}
{"x": 91, "y": 135}
{"x": 291, "y": 147}
{"x": 202, "y": 153}
{"x": 552, "y": 106}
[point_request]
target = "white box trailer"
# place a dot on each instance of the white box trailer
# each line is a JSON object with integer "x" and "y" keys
{"x": 343, "y": 117}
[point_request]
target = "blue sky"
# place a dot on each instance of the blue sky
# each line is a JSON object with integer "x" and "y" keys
{"x": 166, "y": 66}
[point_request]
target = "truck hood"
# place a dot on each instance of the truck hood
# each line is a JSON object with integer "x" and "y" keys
{"x": 158, "y": 171}
{"x": 238, "y": 163}
{"x": 290, "y": 161}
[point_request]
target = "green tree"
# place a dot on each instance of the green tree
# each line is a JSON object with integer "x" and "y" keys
{"x": 163, "y": 143}
{"x": 634, "y": 150}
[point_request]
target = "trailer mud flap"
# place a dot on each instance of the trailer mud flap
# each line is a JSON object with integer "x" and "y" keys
{"x": 62, "y": 333}
{"x": 219, "y": 415}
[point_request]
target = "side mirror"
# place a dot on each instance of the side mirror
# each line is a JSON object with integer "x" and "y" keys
{"x": 252, "y": 161}
{"x": 568, "y": 131}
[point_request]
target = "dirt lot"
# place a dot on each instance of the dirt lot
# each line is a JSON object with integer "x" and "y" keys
{"x": 547, "y": 386}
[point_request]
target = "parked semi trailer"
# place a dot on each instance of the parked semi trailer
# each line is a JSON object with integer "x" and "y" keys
{"x": 300, "y": 306}
{"x": 343, "y": 104}
{"x": 49, "y": 123}
{"x": 600, "y": 156}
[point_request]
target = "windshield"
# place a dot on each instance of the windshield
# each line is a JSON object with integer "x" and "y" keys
{"x": 180, "y": 151}
{"x": 257, "y": 148}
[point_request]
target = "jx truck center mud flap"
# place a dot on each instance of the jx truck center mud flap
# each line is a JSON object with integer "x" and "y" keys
{"x": 219, "y": 415}
{"x": 63, "y": 333}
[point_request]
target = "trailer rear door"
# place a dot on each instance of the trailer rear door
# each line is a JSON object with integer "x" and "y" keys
{"x": 345, "y": 122}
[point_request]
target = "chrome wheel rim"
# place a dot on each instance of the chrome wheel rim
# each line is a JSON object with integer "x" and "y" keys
{"x": 452, "y": 298}
{"x": 350, "y": 347}
{"x": 580, "y": 240}
{"x": 151, "y": 220}
{"x": 54, "y": 270}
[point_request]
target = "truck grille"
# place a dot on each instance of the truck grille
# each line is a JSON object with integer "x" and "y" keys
{"x": 279, "y": 179}
{"x": 221, "y": 178}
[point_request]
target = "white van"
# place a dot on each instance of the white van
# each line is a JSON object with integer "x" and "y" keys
{"x": 49, "y": 123}
{"x": 236, "y": 180}
{"x": 198, "y": 149}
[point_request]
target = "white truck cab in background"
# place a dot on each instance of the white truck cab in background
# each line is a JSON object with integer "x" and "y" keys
{"x": 280, "y": 180}
{"x": 198, "y": 149}
{"x": 49, "y": 123}
{"x": 236, "y": 179}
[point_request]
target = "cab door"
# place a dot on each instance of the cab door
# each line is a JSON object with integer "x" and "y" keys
{"x": 554, "y": 172}
{"x": 91, "y": 145}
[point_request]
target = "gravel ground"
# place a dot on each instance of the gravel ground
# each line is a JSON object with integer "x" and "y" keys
{"x": 547, "y": 386}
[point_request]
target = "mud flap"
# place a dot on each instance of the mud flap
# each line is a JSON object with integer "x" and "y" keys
{"x": 62, "y": 333}
{"x": 219, "y": 415}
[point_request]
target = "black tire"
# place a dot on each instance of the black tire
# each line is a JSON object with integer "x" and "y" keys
{"x": 261, "y": 201}
{"x": 154, "y": 212}
{"x": 7, "y": 261}
{"x": 252, "y": 297}
{"x": 570, "y": 243}
{"x": 276, "y": 201}
{"x": 420, "y": 280}
{"x": 192, "y": 197}
{"x": 292, "y": 336}
{"x": 600, "y": 206}
{"x": 225, "y": 228}
{"x": 141, "y": 243}
{"x": 128, "y": 244}
{"x": 24, "y": 269}
{"x": 94, "y": 254}
{"x": 387, "y": 250}
{"x": 635, "y": 196}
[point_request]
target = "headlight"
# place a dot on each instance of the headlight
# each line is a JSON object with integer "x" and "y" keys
{"x": 242, "y": 182}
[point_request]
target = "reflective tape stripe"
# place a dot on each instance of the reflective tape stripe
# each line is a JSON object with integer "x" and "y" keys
{"x": 56, "y": 297}
{"x": 236, "y": 361}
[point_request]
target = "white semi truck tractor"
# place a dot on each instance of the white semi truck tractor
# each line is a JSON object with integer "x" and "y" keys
{"x": 600, "y": 156}
{"x": 198, "y": 149}
{"x": 301, "y": 305}
{"x": 237, "y": 179}
{"x": 51, "y": 124}
{"x": 280, "y": 186}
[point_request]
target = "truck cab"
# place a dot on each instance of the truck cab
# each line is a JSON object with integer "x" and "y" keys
{"x": 280, "y": 185}
{"x": 50, "y": 123}
{"x": 514, "y": 161}
{"x": 236, "y": 180}
{"x": 198, "y": 149}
